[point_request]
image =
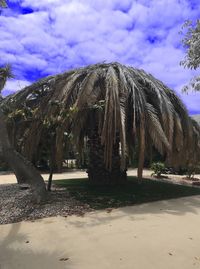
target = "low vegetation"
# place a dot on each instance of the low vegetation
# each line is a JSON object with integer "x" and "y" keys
{"x": 158, "y": 169}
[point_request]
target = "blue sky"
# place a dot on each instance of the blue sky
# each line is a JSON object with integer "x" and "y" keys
{"x": 43, "y": 37}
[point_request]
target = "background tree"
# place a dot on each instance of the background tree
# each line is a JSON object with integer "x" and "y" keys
{"x": 191, "y": 41}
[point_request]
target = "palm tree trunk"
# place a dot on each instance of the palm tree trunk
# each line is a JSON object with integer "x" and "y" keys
{"x": 24, "y": 170}
{"x": 97, "y": 172}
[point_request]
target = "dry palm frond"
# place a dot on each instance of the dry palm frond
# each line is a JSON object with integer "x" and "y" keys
{"x": 155, "y": 130}
{"x": 124, "y": 104}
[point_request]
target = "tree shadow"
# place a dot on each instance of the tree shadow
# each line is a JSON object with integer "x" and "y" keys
{"x": 176, "y": 207}
{"x": 16, "y": 252}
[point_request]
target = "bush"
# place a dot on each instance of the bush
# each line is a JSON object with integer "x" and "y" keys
{"x": 192, "y": 170}
{"x": 158, "y": 168}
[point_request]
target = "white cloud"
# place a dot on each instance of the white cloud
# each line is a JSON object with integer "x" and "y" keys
{"x": 62, "y": 34}
{"x": 15, "y": 85}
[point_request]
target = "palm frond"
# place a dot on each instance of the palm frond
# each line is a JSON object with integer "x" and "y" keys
{"x": 136, "y": 108}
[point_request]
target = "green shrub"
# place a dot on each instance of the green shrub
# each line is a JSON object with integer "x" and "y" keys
{"x": 158, "y": 168}
{"x": 192, "y": 170}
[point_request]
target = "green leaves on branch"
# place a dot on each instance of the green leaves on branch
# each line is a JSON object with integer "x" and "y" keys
{"x": 193, "y": 85}
{"x": 191, "y": 42}
{"x": 25, "y": 113}
{"x": 61, "y": 114}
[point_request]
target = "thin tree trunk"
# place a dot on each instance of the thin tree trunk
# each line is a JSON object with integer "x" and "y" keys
{"x": 97, "y": 172}
{"x": 24, "y": 170}
{"x": 141, "y": 150}
{"x": 151, "y": 155}
{"x": 50, "y": 179}
{"x": 59, "y": 139}
{"x": 51, "y": 162}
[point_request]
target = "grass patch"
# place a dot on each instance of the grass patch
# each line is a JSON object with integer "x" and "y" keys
{"x": 101, "y": 197}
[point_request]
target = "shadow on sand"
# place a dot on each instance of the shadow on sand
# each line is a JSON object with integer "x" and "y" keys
{"x": 176, "y": 207}
{"x": 16, "y": 251}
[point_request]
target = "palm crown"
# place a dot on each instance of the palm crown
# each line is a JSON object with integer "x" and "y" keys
{"x": 5, "y": 73}
{"x": 122, "y": 103}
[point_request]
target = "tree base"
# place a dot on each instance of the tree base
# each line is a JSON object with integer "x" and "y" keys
{"x": 98, "y": 173}
{"x": 106, "y": 177}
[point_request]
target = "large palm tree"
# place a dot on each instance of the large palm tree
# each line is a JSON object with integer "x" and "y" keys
{"x": 114, "y": 107}
{"x": 23, "y": 169}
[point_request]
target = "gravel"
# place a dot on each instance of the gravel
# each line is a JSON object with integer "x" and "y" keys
{"x": 16, "y": 204}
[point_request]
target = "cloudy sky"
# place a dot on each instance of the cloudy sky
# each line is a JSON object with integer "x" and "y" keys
{"x": 43, "y": 37}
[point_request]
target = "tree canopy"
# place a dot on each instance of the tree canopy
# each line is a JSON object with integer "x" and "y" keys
{"x": 121, "y": 101}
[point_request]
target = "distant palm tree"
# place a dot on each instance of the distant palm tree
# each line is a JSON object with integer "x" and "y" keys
{"x": 3, "y": 3}
{"x": 114, "y": 107}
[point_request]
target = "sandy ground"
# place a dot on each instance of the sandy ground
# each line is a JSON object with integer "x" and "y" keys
{"x": 6, "y": 178}
{"x": 10, "y": 178}
{"x": 158, "y": 235}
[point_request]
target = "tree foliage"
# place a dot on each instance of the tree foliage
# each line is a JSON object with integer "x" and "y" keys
{"x": 191, "y": 41}
{"x": 122, "y": 102}
{"x": 158, "y": 168}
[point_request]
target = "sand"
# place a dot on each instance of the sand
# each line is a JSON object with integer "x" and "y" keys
{"x": 10, "y": 178}
{"x": 158, "y": 235}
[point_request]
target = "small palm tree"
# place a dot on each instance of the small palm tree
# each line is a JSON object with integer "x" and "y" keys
{"x": 3, "y": 4}
{"x": 5, "y": 73}
{"x": 114, "y": 107}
